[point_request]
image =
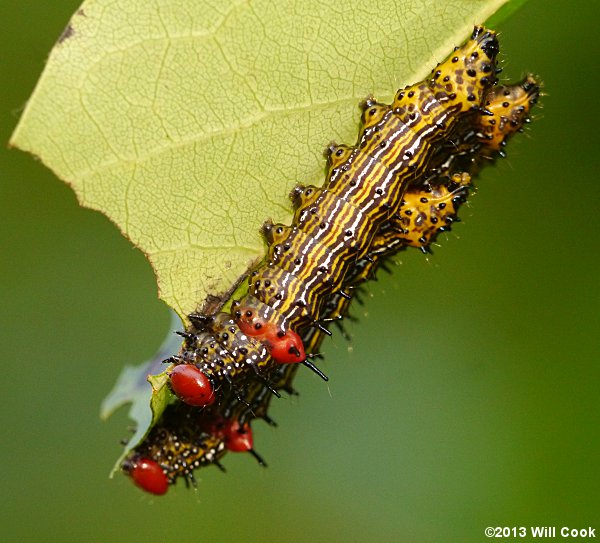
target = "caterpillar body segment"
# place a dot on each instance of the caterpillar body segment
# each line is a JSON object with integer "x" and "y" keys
{"x": 425, "y": 213}
{"x": 509, "y": 107}
{"x": 479, "y": 141}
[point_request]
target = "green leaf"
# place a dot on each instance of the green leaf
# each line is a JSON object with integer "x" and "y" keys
{"x": 188, "y": 122}
{"x": 144, "y": 387}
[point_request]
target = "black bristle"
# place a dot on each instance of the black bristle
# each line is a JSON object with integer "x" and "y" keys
{"x": 258, "y": 457}
{"x": 314, "y": 368}
{"x": 322, "y": 328}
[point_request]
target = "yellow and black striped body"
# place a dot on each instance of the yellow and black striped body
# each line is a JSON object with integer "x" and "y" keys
{"x": 334, "y": 225}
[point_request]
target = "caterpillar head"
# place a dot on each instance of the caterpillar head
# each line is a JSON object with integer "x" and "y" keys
{"x": 147, "y": 474}
{"x": 284, "y": 345}
{"x": 191, "y": 385}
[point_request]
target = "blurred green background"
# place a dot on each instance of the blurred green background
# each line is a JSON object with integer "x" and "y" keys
{"x": 480, "y": 406}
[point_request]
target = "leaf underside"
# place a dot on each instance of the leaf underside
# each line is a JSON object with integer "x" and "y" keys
{"x": 143, "y": 388}
{"x": 188, "y": 123}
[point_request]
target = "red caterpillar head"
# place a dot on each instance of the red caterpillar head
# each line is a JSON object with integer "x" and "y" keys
{"x": 238, "y": 437}
{"x": 191, "y": 385}
{"x": 285, "y": 346}
{"x": 148, "y": 475}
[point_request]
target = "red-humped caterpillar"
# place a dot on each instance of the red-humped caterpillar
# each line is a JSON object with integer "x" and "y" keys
{"x": 187, "y": 439}
{"x": 400, "y": 186}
